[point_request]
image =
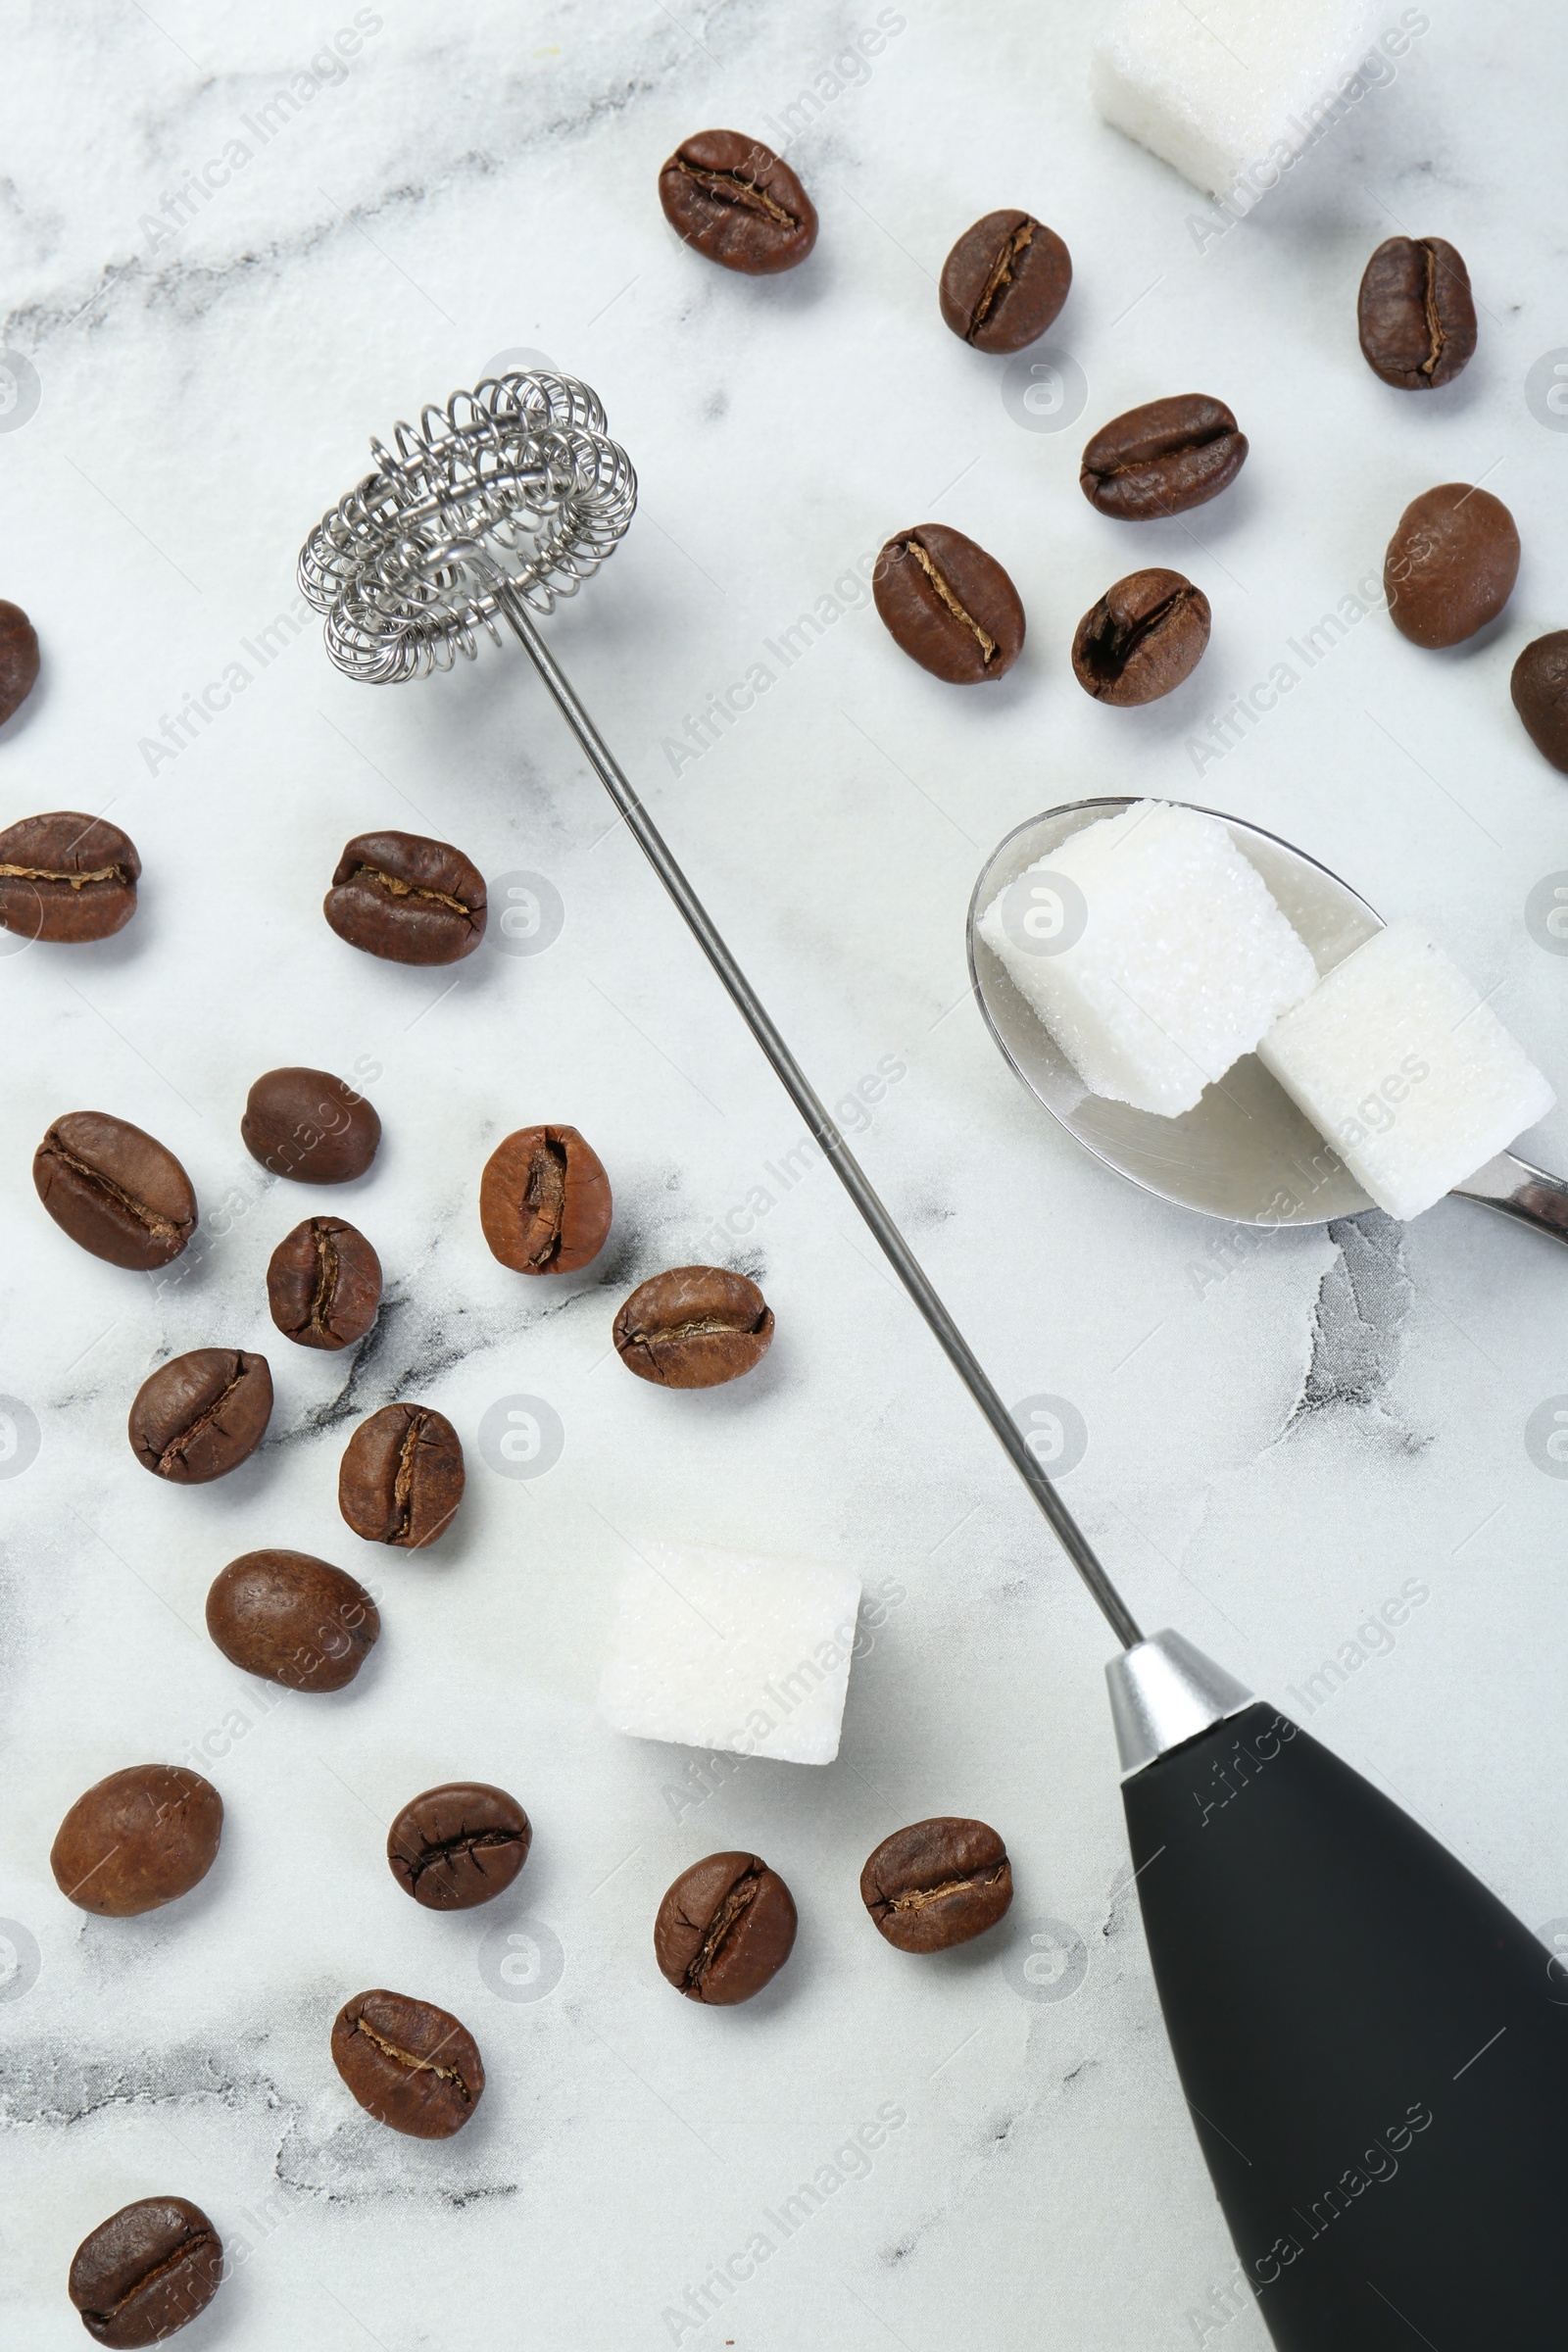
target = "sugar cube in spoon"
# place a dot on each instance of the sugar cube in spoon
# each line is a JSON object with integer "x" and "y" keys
{"x": 1152, "y": 951}
{"x": 1401, "y": 1067}
{"x": 1232, "y": 91}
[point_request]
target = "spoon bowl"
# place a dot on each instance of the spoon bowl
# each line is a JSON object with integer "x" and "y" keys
{"x": 1244, "y": 1152}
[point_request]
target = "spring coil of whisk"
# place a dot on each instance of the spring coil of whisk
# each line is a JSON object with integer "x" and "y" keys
{"x": 522, "y": 466}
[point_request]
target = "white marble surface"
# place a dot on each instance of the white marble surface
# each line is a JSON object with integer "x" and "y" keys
{"x": 1271, "y": 1454}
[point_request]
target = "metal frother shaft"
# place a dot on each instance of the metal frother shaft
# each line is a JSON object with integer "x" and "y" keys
{"x": 950, "y": 1339}
{"x": 507, "y": 498}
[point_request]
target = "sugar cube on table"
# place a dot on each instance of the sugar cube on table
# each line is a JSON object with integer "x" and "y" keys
{"x": 1230, "y": 91}
{"x": 730, "y": 1650}
{"x": 1152, "y": 951}
{"x": 1401, "y": 1066}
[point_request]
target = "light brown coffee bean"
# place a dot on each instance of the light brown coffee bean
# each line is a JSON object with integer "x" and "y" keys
{"x": 19, "y": 659}
{"x": 400, "y": 1478}
{"x": 738, "y": 203}
{"x": 458, "y": 1845}
{"x": 409, "y": 2064}
{"x": 200, "y": 1415}
{"x": 1145, "y": 636}
{"x": 323, "y": 1284}
{"x": 1415, "y": 313}
{"x": 724, "y": 1929}
{"x": 67, "y": 878}
{"x": 1452, "y": 565}
{"x": 117, "y": 1192}
{"x": 544, "y": 1201}
{"x": 1162, "y": 459}
{"x": 937, "y": 1884}
{"x": 142, "y": 1838}
{"x": 949, "y": 605}
{"x": 1004, "y": 282}
{"x": 694, "y": 1327}
{"x": 292, "y": 1619}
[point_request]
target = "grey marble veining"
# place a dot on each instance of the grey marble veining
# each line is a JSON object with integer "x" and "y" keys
{"x": 1282, "y": 1431}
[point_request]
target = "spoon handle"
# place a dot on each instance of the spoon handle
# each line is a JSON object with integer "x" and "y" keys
{"x": 1521, "y": 1191}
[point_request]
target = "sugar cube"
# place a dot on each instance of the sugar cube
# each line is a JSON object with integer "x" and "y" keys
{"x": 1230, "y": 91}
{"x": 721, "y": 1649}
{"x": 1401, "y": 1067}
{"x": 1152, "y": 951}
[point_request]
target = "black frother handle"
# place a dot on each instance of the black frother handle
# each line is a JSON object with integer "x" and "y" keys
{"x": 1374, "y": 2051}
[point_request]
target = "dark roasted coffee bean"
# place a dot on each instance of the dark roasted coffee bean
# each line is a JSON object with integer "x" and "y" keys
{"x": 145, "y": 2271}
{"x": 544, "y": 1201}
{"x": 724, "y": 1928}
{"x": 949, "y": 605}
{"x": 293, "y": 1619}
{"x": 323, "y": 1284}
{"x": 409, "y": 2064}
{"x": 408, "y": 899}
{"x": 200, "y": 1415}
{"x": 1145, "y": 634}
{"x": 1004, "y": 282}
{"x": 310, "y": 1126}
{"x": 738, "y": 203}
{"x": 115, "y": 1191}
{"x": 67, "y": 878}
{"x": 1540, "y": 688}
{"x": 460, "y": 1844}
{"x": 1415, "y": 311}
{"x": 694, "y": 1327}
{"x": 1163, "y": 458}
{"x": 19, "y": 659}
{"x": 937, "y": 1882}
{"x": 1452, "y": 565}
{"x": 143, "y": 1836}
{"x": 401, "y": 1477}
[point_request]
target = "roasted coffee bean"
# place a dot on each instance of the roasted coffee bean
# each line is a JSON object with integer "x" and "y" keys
{"x": 937, "y": 1884}
{"x": 404, "y": 898}
{"x": 724, "y": 1928}
{"x": 310, "y": 1126}
{"x": 19, "y": 659}
{"x": 143, "y": 1836}
{"x": 200, "y": 1415}
{"x": 409, "y": 2064}
{"x": 1163, "y": 458}
{"x": 401, "y": 1477}
{"x": 1452, "y": 565}
{"x": 117, "y": 1192}
{"x": 460, "y": 1844}
{"x": 145, "y": 2271}
{"x": 949, "y": 605}
{"x": 694, "y": 1327}
{"x": 1145, "y": 634}
{"x": 544, "y": 1201}
{"x": 738, "y": 203}
{"x": 1004, "y": 282}
{"x": 67, "y": 878}
{"x": 323, "y": 1284}
{"x": 292, "y": 1619}
{"x": 1540, "y": 688}
{"x": 1416, "y": 316}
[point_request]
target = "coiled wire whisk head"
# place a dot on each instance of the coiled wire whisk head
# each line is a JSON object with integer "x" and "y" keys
{"x": 514, "y": 485}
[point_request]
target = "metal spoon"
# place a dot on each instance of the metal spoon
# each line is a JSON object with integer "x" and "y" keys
{"x": 1244, "y": 1153}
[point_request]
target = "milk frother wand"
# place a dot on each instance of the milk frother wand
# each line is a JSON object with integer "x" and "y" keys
{"x": 1374, "y": 2050}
